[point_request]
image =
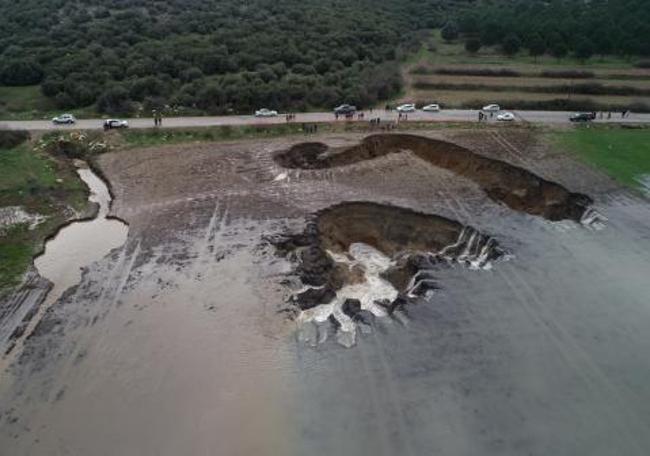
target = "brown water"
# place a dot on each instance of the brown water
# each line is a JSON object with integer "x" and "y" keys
{"x": 76, "y": 246}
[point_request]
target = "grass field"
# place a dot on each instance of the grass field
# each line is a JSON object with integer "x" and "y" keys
{"x": 624, "y": 154}
{"x": 628, "y": 85}
{"x": 42, "y": 186}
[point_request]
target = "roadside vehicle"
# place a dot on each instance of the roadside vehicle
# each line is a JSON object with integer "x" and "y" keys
{"x": 491, "y": 108}
{"x": 109, "y": 124}
{"x": 265, "y": 113}
{"x": 431, "y": 108}
{"x": 345, "y": 109}
{"x": 506, "y": 117}
{"x": 582, "y": 117}
{"x": 408, "y": 107}
{"x": 64, "y": 119}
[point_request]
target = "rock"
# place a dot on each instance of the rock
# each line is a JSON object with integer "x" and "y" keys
{"x": 313, "y": 297}
{"x": 351, "y": 307}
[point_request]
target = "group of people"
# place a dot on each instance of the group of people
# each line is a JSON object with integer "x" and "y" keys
{"x": 310, "y": 128}
{"x": 483, "y": 116}
{"x": 289, "y": 117}
{"x": 348, "y": 115}
{"x": 157, "y": 118}
{"x": 402, "y": 116}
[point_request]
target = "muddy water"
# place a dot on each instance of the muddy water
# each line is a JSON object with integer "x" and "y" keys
{"x": 81, "y": 243}
{"x": 171, "y": 347}
{"x": 74, "y": 247}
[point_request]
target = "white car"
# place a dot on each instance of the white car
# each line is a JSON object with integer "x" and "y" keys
{"x": 506, "y": 117}
{"x": 431, "y": 108}
{"x": 109, "y": 124}
{"x": 491, "y": 108}
{"x": 265, "y": 113}
{"x": 408, "y": 107}
{"x": 64, "y": 119}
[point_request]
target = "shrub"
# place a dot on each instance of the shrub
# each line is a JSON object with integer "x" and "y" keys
{"x": 567, "y": 74}
{"x": 473, "y": 45}
{"x": 12, "y": 138}
{"x": 449, "y": 32}
{"x": 502, "y": 73}
{"x": 20, "y": 73}
{"x": 511, "y": 44}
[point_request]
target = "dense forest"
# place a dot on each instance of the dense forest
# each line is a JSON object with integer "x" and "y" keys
{"x": 213, "y": 55}
{"x": 556, "y": 27}
{"x": 222, "y": 56}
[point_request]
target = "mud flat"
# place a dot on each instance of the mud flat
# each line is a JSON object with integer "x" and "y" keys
{"x": 177, "y": 342}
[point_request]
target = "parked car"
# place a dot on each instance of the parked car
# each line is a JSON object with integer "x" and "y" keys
{"x": 265, "y": 113}
{"x": 408, "y": 107}
{"x": 67, "y": 119}
{"x": 582, "y": 117}
{"x": 492, "y": 108}
{"x": 431, "y": 108}
{"x": 506, "y": 117}
{"x": 109, "y": 124}
{"x": 345, "y": 109}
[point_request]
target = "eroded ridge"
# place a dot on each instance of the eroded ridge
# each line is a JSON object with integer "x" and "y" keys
{"x": 359, "y": 260}
{"x": 516, "y": 187}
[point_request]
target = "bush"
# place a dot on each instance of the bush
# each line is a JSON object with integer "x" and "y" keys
{"x": 115, "y": 100}
{"x": 502, "y": 73}
{"x": 642, "y": 64}
{"x": 473, "y": 45}
{"x": 567, "y": 74}
{"x": 511, "y": 44}
{"x": 449, "y": 32}
{"x": 12, "y": 138}
{"x": 20, "y": 73}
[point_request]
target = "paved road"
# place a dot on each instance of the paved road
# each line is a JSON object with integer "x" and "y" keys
{"x": 451, "y": 115}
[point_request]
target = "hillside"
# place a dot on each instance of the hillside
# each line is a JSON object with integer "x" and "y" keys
{"x": 213, "y": 55}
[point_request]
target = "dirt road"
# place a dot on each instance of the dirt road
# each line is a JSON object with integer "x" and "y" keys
{"x": 451, "y": 115}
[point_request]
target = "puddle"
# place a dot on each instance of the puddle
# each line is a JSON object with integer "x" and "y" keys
{"x": 76, "y": 246}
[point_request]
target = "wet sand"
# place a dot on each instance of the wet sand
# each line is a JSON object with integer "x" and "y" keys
{"x": 176, "y": 344}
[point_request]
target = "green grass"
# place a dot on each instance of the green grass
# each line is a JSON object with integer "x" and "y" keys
{"x": 42, "y": 186}
{"x": 16, "y": 252}
{"x": 624, "y": 154}
{"x": 22, "y": 171}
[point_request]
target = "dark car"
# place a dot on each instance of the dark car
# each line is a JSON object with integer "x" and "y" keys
{"x": 582, "y": 117}
{"x": 345, "y": 109}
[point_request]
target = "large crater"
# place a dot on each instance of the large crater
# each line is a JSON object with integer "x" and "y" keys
{"x": 358, "y": 260}
{"x": 516, "y": 187}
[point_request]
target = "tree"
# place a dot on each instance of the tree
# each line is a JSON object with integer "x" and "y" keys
{"x": 536, "y": 47}
{"x": 511, "y": 44}
{"x": 20, "y": 73}
{"x": 473, "y": 45}
{"x": 584, "y": 49}
{"x": 559, "y": 49}
{"x": 449, "y": 32}
{"x": 115, "y": 100}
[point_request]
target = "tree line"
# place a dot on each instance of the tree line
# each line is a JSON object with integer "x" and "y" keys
{"x": 215, "y": 56}
{"x": 555, "y": 27}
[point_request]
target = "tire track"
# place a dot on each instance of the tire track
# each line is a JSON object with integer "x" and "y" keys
{"x": 576, "y": 359}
